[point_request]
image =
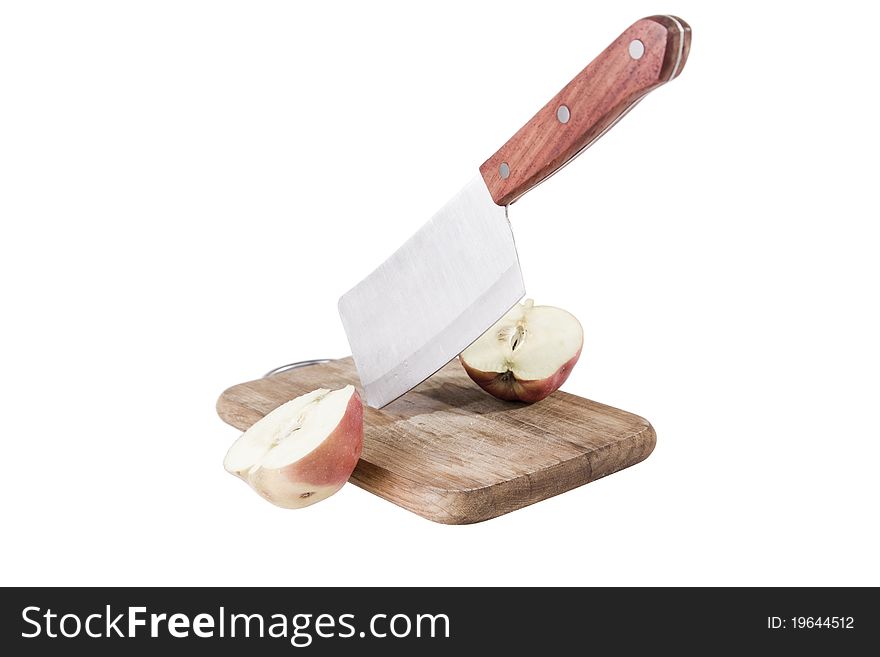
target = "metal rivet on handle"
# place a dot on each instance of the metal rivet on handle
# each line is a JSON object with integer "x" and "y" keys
{"x": 562, "y": 114}
{"x": 504, "y": 171}
{"x": 636, "y": 49}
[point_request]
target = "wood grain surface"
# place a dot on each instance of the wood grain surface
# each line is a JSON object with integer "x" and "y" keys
{"x": 597, "y": 97}
{"x": 451, "y": 453}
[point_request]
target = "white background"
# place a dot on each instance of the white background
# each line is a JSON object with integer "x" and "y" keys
{"x": 187, "y": 187}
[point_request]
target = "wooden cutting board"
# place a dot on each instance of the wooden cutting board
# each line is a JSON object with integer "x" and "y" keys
{"x": 451, "y": 453}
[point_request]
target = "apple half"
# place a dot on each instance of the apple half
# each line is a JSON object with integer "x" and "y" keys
{"x": 527, "y": 354}
{"x": 303, "y": 451}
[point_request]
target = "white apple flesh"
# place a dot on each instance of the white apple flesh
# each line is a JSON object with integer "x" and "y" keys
{"x": 527, "y": 354}
{"x": 303, "y": 451}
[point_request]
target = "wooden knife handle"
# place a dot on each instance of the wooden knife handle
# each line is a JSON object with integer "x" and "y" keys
{"x": 651, "y": 52}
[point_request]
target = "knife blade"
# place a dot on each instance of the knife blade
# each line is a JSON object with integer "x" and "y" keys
{"x": 459, "y": 273}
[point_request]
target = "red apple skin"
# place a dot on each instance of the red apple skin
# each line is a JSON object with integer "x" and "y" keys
{"x": 504, "y": 385}
{"x": 321, "y": 472}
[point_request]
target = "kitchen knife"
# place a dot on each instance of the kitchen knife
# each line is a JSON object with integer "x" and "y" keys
{"x": 459, "y": 273}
